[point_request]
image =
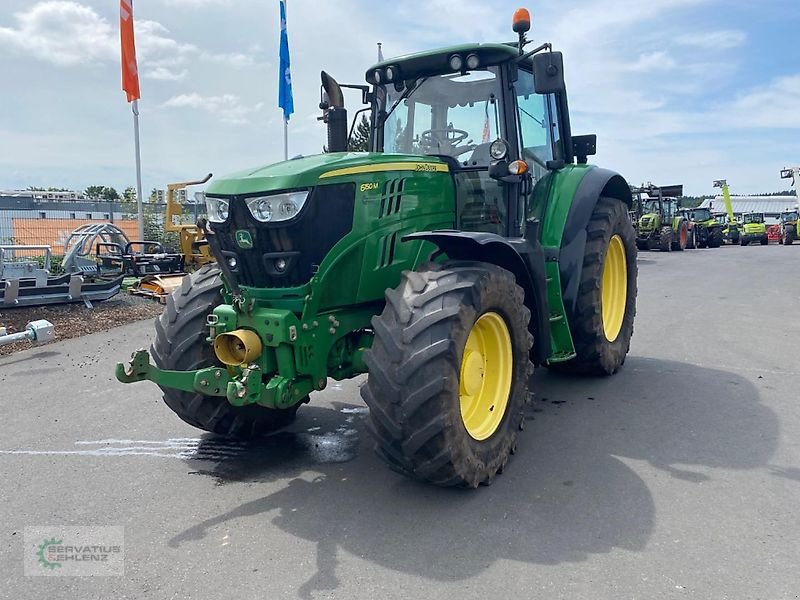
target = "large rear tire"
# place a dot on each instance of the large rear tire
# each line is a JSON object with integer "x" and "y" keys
{"x": 180, "y": 345}
{"x": 683, "y": 237}
{"x": 448, "y": 373}
{"x": 665, "y": 240}
{"x": 602, "y": 325}
{"x": 715, "y": 238}
{"x": 691, "y": 243}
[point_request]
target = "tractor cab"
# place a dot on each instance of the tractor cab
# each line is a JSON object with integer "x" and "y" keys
{"x": 495, "y": 115}
{"x": 753, "y": 218}
{"x": 754, "y": 229}
{"x": 789, "y": 216}
{"x": 700, "y": 215}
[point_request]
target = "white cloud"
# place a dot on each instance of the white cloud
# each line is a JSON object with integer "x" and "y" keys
{"x": 653, "y": 61}
{"x": 196, "y": 3}
{"x": 66, "y": 33}
{"x": 233, "y": 59}
{"x": 228, "y": 107}
{"x": 776, "y": 105}
{"x": 724, "y": 39}
{"x": 62, "y": 33}
{"x": 165, "y": 74}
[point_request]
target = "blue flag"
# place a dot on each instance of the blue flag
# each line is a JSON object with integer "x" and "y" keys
{"x": 285, "y": 100}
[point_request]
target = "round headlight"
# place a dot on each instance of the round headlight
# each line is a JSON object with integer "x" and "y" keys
{"x": 389, "y": 74}
{"x": 280, "y": 265}
{"x": 232, "y": 262}
{"x": 217, "y": 209}
{"x": 473, "y": 61}
{"x": 263, "y": 210}
{"x": 223, "y": 209}
{"x": 456, "y": 62}
{"x": 498, "y": 150}
{"x": 288, "y": 209}
{"x": 378, "y": 76}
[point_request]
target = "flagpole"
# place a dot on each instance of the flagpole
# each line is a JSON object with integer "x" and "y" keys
{"x": 285, "y": 120}
{"x": 140, "y": 207}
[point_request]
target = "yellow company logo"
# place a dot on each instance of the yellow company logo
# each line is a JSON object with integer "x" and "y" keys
{"x": 384, "y": 167}
{"x": 368, "y": 186}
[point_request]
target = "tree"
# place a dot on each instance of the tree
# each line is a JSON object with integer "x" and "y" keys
{"x": 94, "y": 191}
{"x": 129, "y": 195}
{"x": 109, "y": 193}
{"x": 359, "y": 141}
{"x": 101, "y": 192}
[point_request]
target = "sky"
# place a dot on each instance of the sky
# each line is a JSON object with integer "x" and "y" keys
{"x": 678, "y": 91}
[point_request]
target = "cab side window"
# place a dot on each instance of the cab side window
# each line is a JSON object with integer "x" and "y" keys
{"x": 537, "y": 124}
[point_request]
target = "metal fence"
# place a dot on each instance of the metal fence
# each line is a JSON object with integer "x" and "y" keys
{"x": 50, "y": 224}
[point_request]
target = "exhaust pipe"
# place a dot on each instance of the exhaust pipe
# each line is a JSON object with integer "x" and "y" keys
{"x": 237, "y": 348}
{"x": 334, "y": 114}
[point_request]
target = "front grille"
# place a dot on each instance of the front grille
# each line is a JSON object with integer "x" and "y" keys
{"x": 302, "y": 242}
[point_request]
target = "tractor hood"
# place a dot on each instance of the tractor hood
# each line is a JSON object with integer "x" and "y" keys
{"x": 304, "y": 172}
{"x": 648, "y": 220}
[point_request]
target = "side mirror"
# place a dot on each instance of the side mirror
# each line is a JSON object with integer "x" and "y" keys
{"x": 584, "y": 146}
{"x": 548, "y": 73}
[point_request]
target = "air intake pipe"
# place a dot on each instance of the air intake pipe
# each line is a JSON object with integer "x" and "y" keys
{"x": 334, "y": 114}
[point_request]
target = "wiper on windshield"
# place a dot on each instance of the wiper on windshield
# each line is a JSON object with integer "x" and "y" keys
{"x": 406, "y": 94}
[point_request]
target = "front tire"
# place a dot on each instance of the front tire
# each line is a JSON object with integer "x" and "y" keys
{"x": 180, "y": 345}
{"x": 602, "y": 325}
{"x": 429, "y": 371}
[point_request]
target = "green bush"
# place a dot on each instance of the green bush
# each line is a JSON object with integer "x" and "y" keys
{"x": 55, "y": 263}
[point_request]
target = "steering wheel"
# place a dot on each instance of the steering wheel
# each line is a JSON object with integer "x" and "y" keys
{"x": 432, "y": 139}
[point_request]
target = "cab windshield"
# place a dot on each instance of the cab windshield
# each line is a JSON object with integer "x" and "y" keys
{"x": 701, "y": 214}
{"x": 789, "y": 216}
{"x": 455, "y": 115}
{"x": 650, "y": 206}
{"x": 757, "y": 218}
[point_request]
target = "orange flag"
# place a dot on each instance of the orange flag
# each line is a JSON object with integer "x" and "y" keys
{"x": 130, "y": 72}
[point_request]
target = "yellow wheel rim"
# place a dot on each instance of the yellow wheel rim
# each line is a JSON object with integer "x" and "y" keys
{"x": 615, "y": 288}
{"x": 485, "y": 378}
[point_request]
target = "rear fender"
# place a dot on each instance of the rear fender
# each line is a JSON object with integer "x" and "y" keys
{"x": 596, "y": 183}
{"x": 524, "y": 258}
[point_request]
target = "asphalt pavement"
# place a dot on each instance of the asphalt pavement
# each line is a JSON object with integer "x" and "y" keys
{"x": 678, "y": 477}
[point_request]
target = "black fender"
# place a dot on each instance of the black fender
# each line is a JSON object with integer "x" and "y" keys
{"x": 523, "y": 257}
{"x": 596, "y": 183}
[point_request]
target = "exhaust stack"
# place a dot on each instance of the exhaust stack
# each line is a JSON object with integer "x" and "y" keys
{"x": 334, "y": 114}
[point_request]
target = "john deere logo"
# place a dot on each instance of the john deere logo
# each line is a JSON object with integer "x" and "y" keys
{"x": 243, "y": 239}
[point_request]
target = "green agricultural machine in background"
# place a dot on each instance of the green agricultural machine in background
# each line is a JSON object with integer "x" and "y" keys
{"x": 754, "y": 229}
{"x": 731, "y": 222}
{"x": 472, "y": 243}
{"x": 788, "y": 227}
{"x": 660, "y": 225}
{"x": 704, "y": 229}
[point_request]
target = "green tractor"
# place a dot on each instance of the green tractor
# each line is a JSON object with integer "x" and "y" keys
{"x": 731, "y": 230}
{"x": 704, "y": 229}
{"x": 788, "y": 224}
{"x": 660, "y": 224}
{"x": 472, "y": 243}
{"x": 754, "y": 229}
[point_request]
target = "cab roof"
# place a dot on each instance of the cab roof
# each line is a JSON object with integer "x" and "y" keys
{"x": 431, "y": 62}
